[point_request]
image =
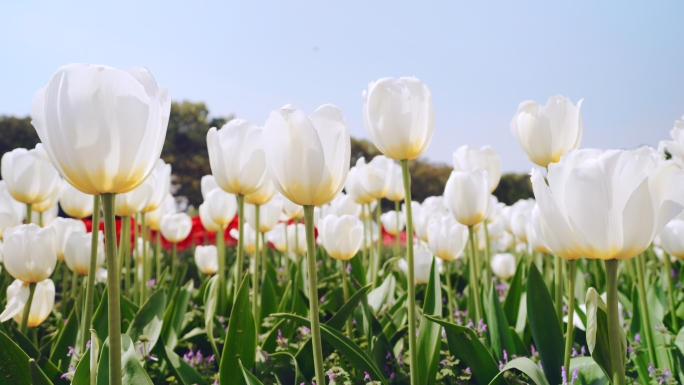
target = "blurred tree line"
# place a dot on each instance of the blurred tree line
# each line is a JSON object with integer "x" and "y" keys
{"x": 185, "y": 148}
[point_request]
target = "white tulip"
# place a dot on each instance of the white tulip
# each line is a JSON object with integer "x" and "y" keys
{"x": 50, "y": 201}
{"x": 9, "y": 215}
{"x": 672, "y": 238}
{"x": 75, "y": 203}
{"x": 220, "y": 207}
{"x": 207, "y": 219}
{"x": 374, "y": 176}
{"x": 175, "y": 227}
{"x": 64, "y": 228}
{"x": 307, "y": 157}
{"x": 77, "y": 252}
{"x": 206, "y": 259}
{"x": 676, "y": 146}
{"x": 395, "y": 192}
{"x": 41, "y": 306}
{"x": 44, "y": 218}
{"x": 135, "y": 201}
{"x": 292, "y": 210}
{"x": 447, "y": 238}
{"x": 102, "y": 128}
{"x": 262, "y": 195}
{"x": 160, "y": 180}
{"x": 153, "y": 218}
{"x": 503, "y": 265}
{"x": 269, "y": 214}
{"x": 607, "y": 204}
{"x": 422, "y": 261}
{"x": 355, "y": 188}
{"x": 344, "y": 204}
{"x": 545, "y": 133}
{"x": 296, "y": 239}
{"x": 520, "y": 216}
{"x": 29, "y": 252}
{"x": 207, "y": 183}
{"x": 466, "y": 195}
{"x": 468, "y": 158}
{"x": 393, "y": 222}
{"x": 277, "y": 237}
{"x": 249, "y": 238}
{"x": 29, "y": 175}
{"x": 139, "y": 252}
{"x": 236, "y": 157}
{"x": 11, "y": 203}
{"x": 399, "y": 116}
{"x": 341, "y": 236}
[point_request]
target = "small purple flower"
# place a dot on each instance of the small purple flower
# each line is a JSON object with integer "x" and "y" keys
{"x": 72, "y": 351}
{"x": 467, "y": 370}
{"x": 637, "y": 338}
{"x": 151, "y": 283}
{"x": 322, "y": 299}
{"x": 651, "y": 370}
{"x": 367, "y": 377}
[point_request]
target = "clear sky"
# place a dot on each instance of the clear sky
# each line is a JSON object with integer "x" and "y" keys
{"x": 480, "y": 59}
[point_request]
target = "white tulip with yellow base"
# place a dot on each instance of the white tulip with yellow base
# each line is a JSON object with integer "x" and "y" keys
{"x": 41, "y": 304}
{"x": 78, "y": 250}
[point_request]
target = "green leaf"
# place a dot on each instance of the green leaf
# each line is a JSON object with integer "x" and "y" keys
{"x": 184, "y": 373}
{"x": 131, "y": 371}
{"x": 286, "y": 376}
{"x": 358, "y": 272}
{"x": 14, "y": 363}
{"x": 37, "y": 375}
{"x": 511, "y": 305}
{"x": 148, "y": 322}
{"x": 545, "y": 327}
{"x": 173, "y": 317}
{"x": 429, "y": 332}
{"x": 378, "y": 296}
{"x": 497, "y": 324}
{"x": 25, "y": 344}
{"x": 597, "y": 331}
{"x": 241, "y": 339}
{"x": 347, "y": 310}
{"x": 269, "y": 297}
{"x": 464, "y": 345}
{"x": 100, "y": 320}
{"x": 588, "y": 372}
{"x": 345, "y": 347}
{"x": 526, "y": 366}
{"x": 67, "y": 337}
{"x": 82, "y": 374}
{"x": 249, "y": 378}
{"x": 210, "y": 298}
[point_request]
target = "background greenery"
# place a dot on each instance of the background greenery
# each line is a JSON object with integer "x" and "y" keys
{"x": 185, "y": 149}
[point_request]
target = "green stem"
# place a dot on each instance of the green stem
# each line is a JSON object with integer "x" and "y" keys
{"x": 671, "y": 293}
{"x": 397, "y": 238}
{"x": 113, "y": 296}
{"x": 413, "y": 349}
{"x": 478, "y": 263}
{"x": 313, "y": 295}
{"x": 488, "y": 265}
{"x": 558, "y": 281}
{"x": 221, "y": 251}
{"x": 366, "y": 249}
{"x": 174, "y": 260}
{"x": 617, "y": 358}
{"x": 145, "y": 257}
{"x": 255, "y": 272}
{"x": 65, "y": 283}
{"x": 449, "y": 297}
{"x": 92, "y": 272}
{"x": 74, "y": 285}
{"x": 127, "y": 256}
{"x": 40, "y": 219}
{"x": 473, "y": 284}
{"x": 643, "y": 309}
{"x": 263, "y": 261}
{"x": 158, "y": 255}
{"x": 241, "y": 240}
{"x": 286, "y": 263}
{"x": 571, "y": 313}
{"x": 345, "y": 291}
{"x": 27, "y": 308}
{"x": 376, "y": 260}
{"x": 29, "y": 209}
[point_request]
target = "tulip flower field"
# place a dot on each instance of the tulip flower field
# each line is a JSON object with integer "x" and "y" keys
{"x": 290, "y": 271}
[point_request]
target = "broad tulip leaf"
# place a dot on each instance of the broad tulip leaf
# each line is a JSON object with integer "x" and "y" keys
{"x": 249, "y": 378}
{"x": 497, "y": 324}
{"x": 173, "y": 316}
{"x": 286, "y": 376}
{"x": 66, "y": 338}
{"x": 429, "y": 338}
{"x": 100, "y": 318}
{"x": 148, "y": 322}
{"x": 347, "y": 310}
{"x": 597, "y": 332}
{"x": 378, "y": 296}
{"x": 467, "y": 347}
{"x": 545, "y": 327}
{"x": 241, "y": 339}
{"x": 269, "y": 297}
{"x": 82, "y": 374}
{"x": 184, "y": 373}
{"x": 526, "y": 366}
{"x": 588, "y": 372}
{"x": 131, "y": 371}
{"x": 25, "y": 344}
{"x": 358, "y": 272}
{"x": 14, "y": 363}
{"x": 209, "y": 311}
{"x": 345, "y": 347}
{"x": 511, "y": 305}
{"x": 37, "y": 375}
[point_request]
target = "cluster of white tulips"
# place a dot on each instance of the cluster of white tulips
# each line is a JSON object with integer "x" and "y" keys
{"x": 102, "y": 132}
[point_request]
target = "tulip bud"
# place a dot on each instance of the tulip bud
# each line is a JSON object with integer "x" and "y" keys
{"x": 399, "y": 117}
{"x": 175, "y": 227}
{"x": 75, "y": 203}
{"x": 466, "y": 195}
{"x": 206, "y": 259}
{"x": 393, "y": 222}
{"x": 29, "y": 175}
{"x": 41, "y": 307}
{"x": 447, "y": 238}
{"x": 341, "y": 236}
{"x": 115, "y": 144}
{"x": 236, "y": 157}
{"x": 545, "y": 133}
{"x": 468, "y": 158}
{"x": 307, "y": 156}
{"x": 64, "y": 229}
{"x": 277, "y": 237}
{"x": 29, "y": 252}
{"x": 77, "y": 252}
{"x": 220, "y": 207}
{"x": 503, "y": 265}
{"x": 249, "y": 238}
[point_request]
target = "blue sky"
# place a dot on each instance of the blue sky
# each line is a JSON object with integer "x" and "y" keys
{"x": 480, "y": 59}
